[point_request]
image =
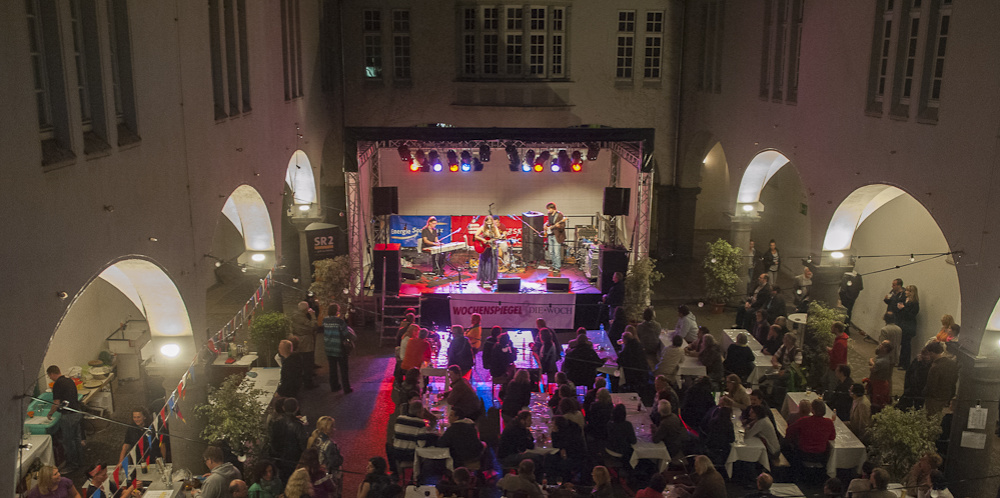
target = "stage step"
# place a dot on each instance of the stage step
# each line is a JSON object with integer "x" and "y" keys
{"x": 391, "y": 314}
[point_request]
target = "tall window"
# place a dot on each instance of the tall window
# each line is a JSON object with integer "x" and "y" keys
{"x": 781, "y": 46}
{"x": 373, "y": 43}
{"x": 653, "y": 55}
{"x": 710, "y": 58}
{"x": 227, "y": 24}
{"x": 908, "y": 58}
{"x": 291, "y": 49}
{"x": 513, "y": 42}
{"x": 50, "y": 91}
{"x": 401, "y": 62}
{"x": 624, "y": 60}
{"x": 121, "y": 71}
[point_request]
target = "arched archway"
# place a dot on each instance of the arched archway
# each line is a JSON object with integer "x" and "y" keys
{"x": 712, "y": 218}
{"x": 772, "y": 204}
{"x": 248, "y": 214}
{"x": 134, "y": 291}
{"x": 300, "y": 180}
{"x": 882, "y": 226}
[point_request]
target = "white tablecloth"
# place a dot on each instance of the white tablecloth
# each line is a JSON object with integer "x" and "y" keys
{"x": 729, "y": 337}
{"x": 431, "y": 453}
{"x": 41, "y": 449}
{"x": 749, "y": 450}
{"x": 265, "y": 379}
{"x": 644, "y": 447}
{"x": 846, "y": 450}
{"x": 781, "y": 489}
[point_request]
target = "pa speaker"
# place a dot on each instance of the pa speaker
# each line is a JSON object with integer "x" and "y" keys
{"x": 387, "y": 262}
{"x": 557, "y": 284}
{"x": 508, "y": 285}
{"x": 612, "y": 260}
{"x": 385, "y": 201}
{"x": 616, "y": 201}
{"x": 531, "y": 244}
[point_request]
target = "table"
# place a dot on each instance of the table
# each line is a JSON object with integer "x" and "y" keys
{"x": 788, "y": 489}
{"x": 729, "y": 337}
{"x": 762, "y": 362}
{"x": 431, "y": 453}
{"x": 644, "y": 447}
{"x": 746, "y": 450}
{"x": 799, "y": 324}
{"x": 265, "y": 379}
{"x": 244, "y": 361}
{"x": 846, "y": 450}
{"x": 40, "y": 448}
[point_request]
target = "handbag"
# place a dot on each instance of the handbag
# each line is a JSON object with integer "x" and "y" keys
{"x": 346, "y": 343}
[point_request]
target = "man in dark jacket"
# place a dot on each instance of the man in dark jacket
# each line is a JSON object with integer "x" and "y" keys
{"x": 515, "y": 440}
{"x": 582, "y": 362}
{"x": 461, "y": 438}
{"x": 613, "y": 299}
{"x": 292, "y": 369}
{"x": 841, "y": 400}
{"x": 288, "y": 439}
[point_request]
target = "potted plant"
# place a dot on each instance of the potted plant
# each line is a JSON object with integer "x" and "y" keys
{"x": 899, "y": 438}
{"x": 266, "y": 330}
{"x": 640, "y": 278}
{"x": 233, "y": 417}
{"x": 818, "y": 337}
{"x": 722, "y": 265}
{"x": 331, "y": 280}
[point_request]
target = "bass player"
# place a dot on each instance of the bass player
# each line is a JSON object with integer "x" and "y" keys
{"x": 555, "y": 228}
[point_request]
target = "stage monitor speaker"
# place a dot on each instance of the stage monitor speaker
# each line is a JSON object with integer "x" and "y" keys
{"x": 532, "y": 248}
{"x": 509, "y": 285}
{"x": 385, "y": 200}
{"x": 410, "y": 273}
{"x": 612, "y": 260}
{"x": 616, "y": 201}
{"x": 387, "y": 260}
{"x": 557, "y": 284}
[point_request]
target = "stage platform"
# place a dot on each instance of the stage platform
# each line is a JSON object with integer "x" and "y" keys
{"x": 452, "y": 298}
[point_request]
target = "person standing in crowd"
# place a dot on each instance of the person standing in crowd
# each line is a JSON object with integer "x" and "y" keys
{"x": 266, "y": 483}
{"x": 861, "y": 413}
{"x": 803, "y": 284}
{"x": 323, "y": 484}
{"x": 613, "y": 299}
{"x": 840, "y": 400}
{"x": 941, "y": 379}
{"x": 617, "y": 327}
{"x": 66, "y": 400}
{"x": 773, "y": 261}
{"x": 687, "y": 325}
{"x": 914, "y": 382}
{"x": 501, "y": 362}
{"x": 460, "y": 351}
{"x": 288, "y": 438}
{"x": 837, "y": 354}
{"x": 895, "y": 296}
{"x": 238, "y": 489}
{"x": 221, "y": 473}
{"x": 632, "y": 360}
{"x": 303, "y": 322}
{"x": 327, "y": 450}
{"x": 547, "y": 353}
{"x": 755, "y": 301}
{"x": 335, "y": 331}
{"x": 299, "y": 485}
{"x": 150, "y": 446}
{"x": 880, "y": 376}
{"x": 648, "y": 333}
{"x": 893, "y": 334}
{"x": 475, "y": 333}
{"x": 907, "y": 313}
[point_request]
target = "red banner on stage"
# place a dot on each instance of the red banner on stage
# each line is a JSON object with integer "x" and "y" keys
{"x": 508, "y": 224}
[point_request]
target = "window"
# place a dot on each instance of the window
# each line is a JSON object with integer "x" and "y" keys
{"x": 227, "y": 26}
{"x": 710, "y": 61}
{"x": 373, "y": 44}
{"x": 401, "y": 63}
{"x": 50, "y": 91}
{"x": 908, "y": 57}
{"x": 513, "y": 42}
{"x": 291, "y": 48}
{"x": 121, "y": 71}
{"x": 781, "y": 46}
{"x": 654, "y": 45}
{"x": 626, "y": 44}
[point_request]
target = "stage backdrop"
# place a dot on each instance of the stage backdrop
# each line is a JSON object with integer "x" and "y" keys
{"x": 406, "y": 229}
{"x": 514, "y": 310}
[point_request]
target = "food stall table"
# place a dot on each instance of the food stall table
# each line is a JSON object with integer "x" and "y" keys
{"x": 39, "y": 447}
{"x": 265, "y": 379}
{"x": 846, "y": 450}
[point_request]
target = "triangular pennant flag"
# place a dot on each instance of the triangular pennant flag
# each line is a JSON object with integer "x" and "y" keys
{"x": 123, "y": 470}
{"x": 182, "y": 388}
{"x": 191, "y": 373}
{"x": 171, "y": 401}
{"x": 177, "y": 410}
{"x": 163, "y": 414}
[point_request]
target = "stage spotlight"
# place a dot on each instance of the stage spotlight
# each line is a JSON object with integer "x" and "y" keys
{"x": 484, "y": 153}
{"x": 466, "y": 157}
{"x": 421, "y": 159}
{"x": 525, "y": 167}
{"x": 539, "y": 167}
{"x": 414, "y": 166}
{"x": 577, "y": 162}
{"x": 435, "y": 160}
{"x": 437, "y": 167}
{"x": 404, "y": 153}
{"x": 477, "y": 165}
{"x": 466, "y": 167}
{"x": 513, "y": 157}
{"x": 452, "y": 161}
{"x": 554, "y": 166}
{"x": 544, "y": 156}
{"x": 562, "y": 158}
{"x": 592, "y": 150}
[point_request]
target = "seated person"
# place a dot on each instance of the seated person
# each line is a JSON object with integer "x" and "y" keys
{"x": 598, "y": 416}
{"x": 515, "y": 439}
{"x": 736, "y": 393}
{"x": 671, "y": 358}
{"x": 760, "y": 426}
{"x": 810, "y": 436}
{"x": 621, "y": 434}
{"x": 805, "y": 410}
{"x": 757, "y": 399}
{"x": 461, "y": 438}
{"x": 572, "y": 457}
{"x": 461, "y": 395}
{"x": 655, "y": 488}
{"x": 516, "y": 394}
{"x": 670, "y": 431}
{"x": 581, "y": 363}
{"x": 591, "y": 395}
{"x": 458, "y": 483}
{"x": 764, "y": 483}
{"x": 523, "y": 482}
{"x": 773, "y": 341}
{"x": 740, "y": 358}
{"x": 709, "y": 483}
{"x": 717, "y": 431}
{"x": 410, "y": 431}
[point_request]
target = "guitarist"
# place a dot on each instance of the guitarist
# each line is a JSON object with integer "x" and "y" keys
{"x": 488, "y": 232}
{"x": 430, "y": 239}
{"x": 555, "y": 228}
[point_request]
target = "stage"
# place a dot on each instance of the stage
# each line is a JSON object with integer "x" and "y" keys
{"x": 566, "y": 302}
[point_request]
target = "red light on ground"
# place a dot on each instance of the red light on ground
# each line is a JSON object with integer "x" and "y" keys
{"x": 414, "y": 166}
{"x": 577, "y": 167}
{"x": 538, "y": 167}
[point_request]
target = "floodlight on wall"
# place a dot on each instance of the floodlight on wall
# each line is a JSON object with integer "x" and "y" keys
{"x": 466, "y": 161}
{"x": 837, "y": 255}
{"x": 452, "y": 160}
{"x": 404, "y": 153}
{"x": 514, "y": 157}
{"x": 749, "y": 209}
{"x": 484, "y": 153}
{"x": 258, "y": 257}
{"x": 435, "y": 161}
{"x": 577, "y": 162}
{"x": 593, "y": 149}
{"x": 170, "y": 350}
{"x": 303, "y": 207}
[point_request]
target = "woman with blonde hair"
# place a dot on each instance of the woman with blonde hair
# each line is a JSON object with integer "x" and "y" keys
{"x": 51, "y": 484}
{"x": 329, "y": 453}
{"x": 906, "y": 318}
{"x": 602, "y": 483}
{"x": 299, "y": 484}
{"x": 485, "y": 236}
{"x": 944, "y": 335}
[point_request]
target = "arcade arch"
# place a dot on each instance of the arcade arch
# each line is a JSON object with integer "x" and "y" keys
{"x": 712, "y": 211}
{"x": 249, "y": 238}
{"x": 300, "y": 180}
{"x": 881, "y": 226}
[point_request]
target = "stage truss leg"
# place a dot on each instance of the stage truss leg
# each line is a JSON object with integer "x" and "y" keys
{"x": 355, "y": 235}
{"x": 644, "y": 206}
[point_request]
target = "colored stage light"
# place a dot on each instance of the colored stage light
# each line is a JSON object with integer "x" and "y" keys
{"x": 525, "y": 167}
{"x": 453, "y": 167}
{"x": 539, "y": 167}
{"x": 437, "y": 167}
{"x": 577, "y": 167}
{"x": 466, "y": 167}
{"x": 414, "y": 166}
{"x": 555, "y": 167}
{"x": 577, "y": 161}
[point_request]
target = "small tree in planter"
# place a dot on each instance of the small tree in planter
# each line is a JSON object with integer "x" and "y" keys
{"x": 331, "y": 280}
{"x": 233, "y": 415}
{"x": 722, "y": 265}
{"x": 640, "y": 278}
{"x": 815, "y": 359}
{"x": 266, "y": 330}
{"x": 899, "y": 438}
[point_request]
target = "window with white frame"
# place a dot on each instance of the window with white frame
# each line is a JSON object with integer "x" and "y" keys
{"x": 512, "y": 42}
{"x": 625, "y": 50}
{"x": 653, "y": 56}
{"x": 781, "y": 47}
{"x": 291, "y": 49}
{"x": 372, "y": 43}
{"x": 401, "y": 61}
{"x": 227, "y": 25}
